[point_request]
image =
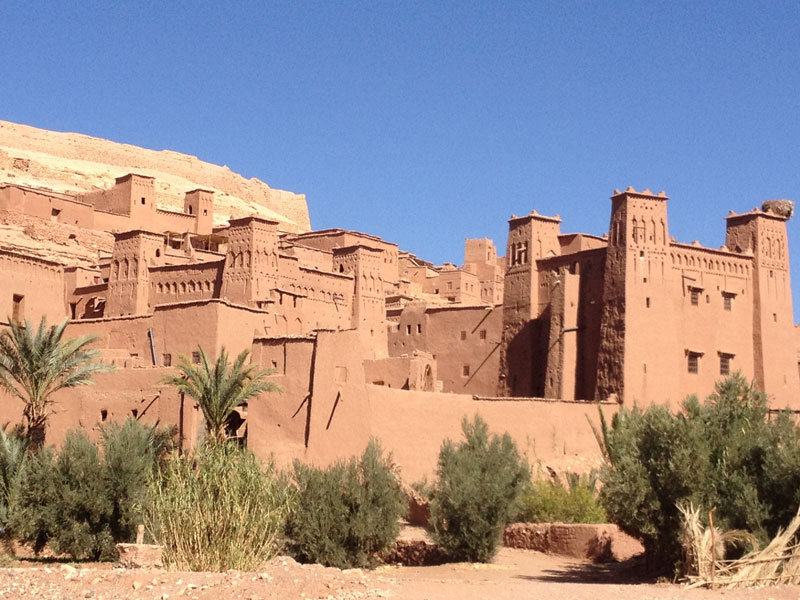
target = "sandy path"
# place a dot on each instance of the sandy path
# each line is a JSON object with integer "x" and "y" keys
{"x": 514, "y": 574}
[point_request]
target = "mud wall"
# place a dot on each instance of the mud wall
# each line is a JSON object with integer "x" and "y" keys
{"x": 413, "y": 426}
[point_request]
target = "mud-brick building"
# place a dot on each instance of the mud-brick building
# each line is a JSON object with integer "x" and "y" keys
{"x": 638, "y": 317}
{"x": 368, "y": 340}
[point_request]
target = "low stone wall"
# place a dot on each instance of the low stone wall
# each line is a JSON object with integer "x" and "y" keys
{"x": 600, "y": 543}
{"x": 414, "y": 553}
{"x": 140, "y": 556}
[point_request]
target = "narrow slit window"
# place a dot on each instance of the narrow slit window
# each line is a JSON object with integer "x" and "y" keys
{"x": 693, "y": 362}
{"x": 18, "y": 308}
{"x": 725, "y": 364}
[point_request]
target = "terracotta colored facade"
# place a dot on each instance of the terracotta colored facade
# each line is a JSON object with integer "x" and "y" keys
{"x": 369, "y": 340}
{"x": 640, "y": 318}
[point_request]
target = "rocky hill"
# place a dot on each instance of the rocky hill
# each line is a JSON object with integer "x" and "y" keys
{"x": 72, "y": 162}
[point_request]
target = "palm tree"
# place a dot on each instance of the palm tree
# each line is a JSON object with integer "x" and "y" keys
{"x": 36, "y": 363}
{"x": 219, "y": 390}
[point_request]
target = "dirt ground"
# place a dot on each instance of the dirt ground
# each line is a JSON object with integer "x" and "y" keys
{"x": 514, "y": 574}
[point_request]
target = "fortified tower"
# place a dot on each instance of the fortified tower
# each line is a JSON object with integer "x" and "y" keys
{"x": 133, "y": 195}
{"x": 635, "y": 357}
{"x": 369, "y": 298}
{"x": 530, "y": 238}
{"x": 200, "y": 204}
{"x": 251, "y": 263}
{"x": 763, "y": 233}
{"x": 129, "y": 279}
{"x": 480, "y": 258}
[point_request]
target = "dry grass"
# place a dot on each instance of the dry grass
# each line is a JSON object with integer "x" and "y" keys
{"x": 777, "y": 563}
{"x": 217, "y": 510}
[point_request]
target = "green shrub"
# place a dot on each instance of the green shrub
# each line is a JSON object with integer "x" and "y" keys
{"x": 12, "y": 454}
{"x": 550, "y": 501}
{"x": 723, "y": 454}
{"x": 63, "y": 501}
{"x": 346, "y": 514}
{"x": 217, "y": 509}
{"x": 424, "y": 488}
{"x": 131, "y": 452}
{"x": 77, "y": 502}
{"x": 475, "y": 495}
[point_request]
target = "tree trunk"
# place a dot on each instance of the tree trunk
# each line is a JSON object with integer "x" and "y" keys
{"x": 35, "y": 435}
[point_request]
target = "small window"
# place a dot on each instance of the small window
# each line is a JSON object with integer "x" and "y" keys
{"x": 647, "y": 302}
{"x": 463, "y": 335}
{"x": 18, "y": 308}
{"x": 775, "y": 317}
{"x": 408, "y": 329}
{"x": 419, "y": 327}
{"x": 693, "y": 362}
{"x": 191, "y": 210}
{"x": 143, "y": 201}
{"x": 196, "y": 358}
{"x": 482, "y": 334}
{"x": 695, "y": 294}
{"x": 727, "y": 301}
{"x": 205, "y": 212}
{"x": 54, "y": 212}
{"x": 134, "y": 412}
{"x": 465, "y": 370}
{"x": 166, "y": 360}
{"x": 725, "y": 364}
{"x": 103, "y": 414}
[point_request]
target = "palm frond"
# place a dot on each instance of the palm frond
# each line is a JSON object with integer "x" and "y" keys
{"x": 220, "y": 388}
{"x": 36, "y": 362}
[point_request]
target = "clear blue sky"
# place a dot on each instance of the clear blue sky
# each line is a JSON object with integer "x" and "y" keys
{"x": 427, "y": 123}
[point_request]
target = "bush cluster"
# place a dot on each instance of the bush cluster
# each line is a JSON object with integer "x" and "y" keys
{"x": 217, "y": 509}
{"x": 12, "y": 453}
{"x": 550, "y": 501}
{"x": 476, "y": 492}
{"x": 78, "y": 502}
{"x": 347, "y": 514}
{"x": 724, "y": 454}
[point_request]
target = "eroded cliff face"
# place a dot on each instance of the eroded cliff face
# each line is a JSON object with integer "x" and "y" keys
{"x": 76, "y": 163}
